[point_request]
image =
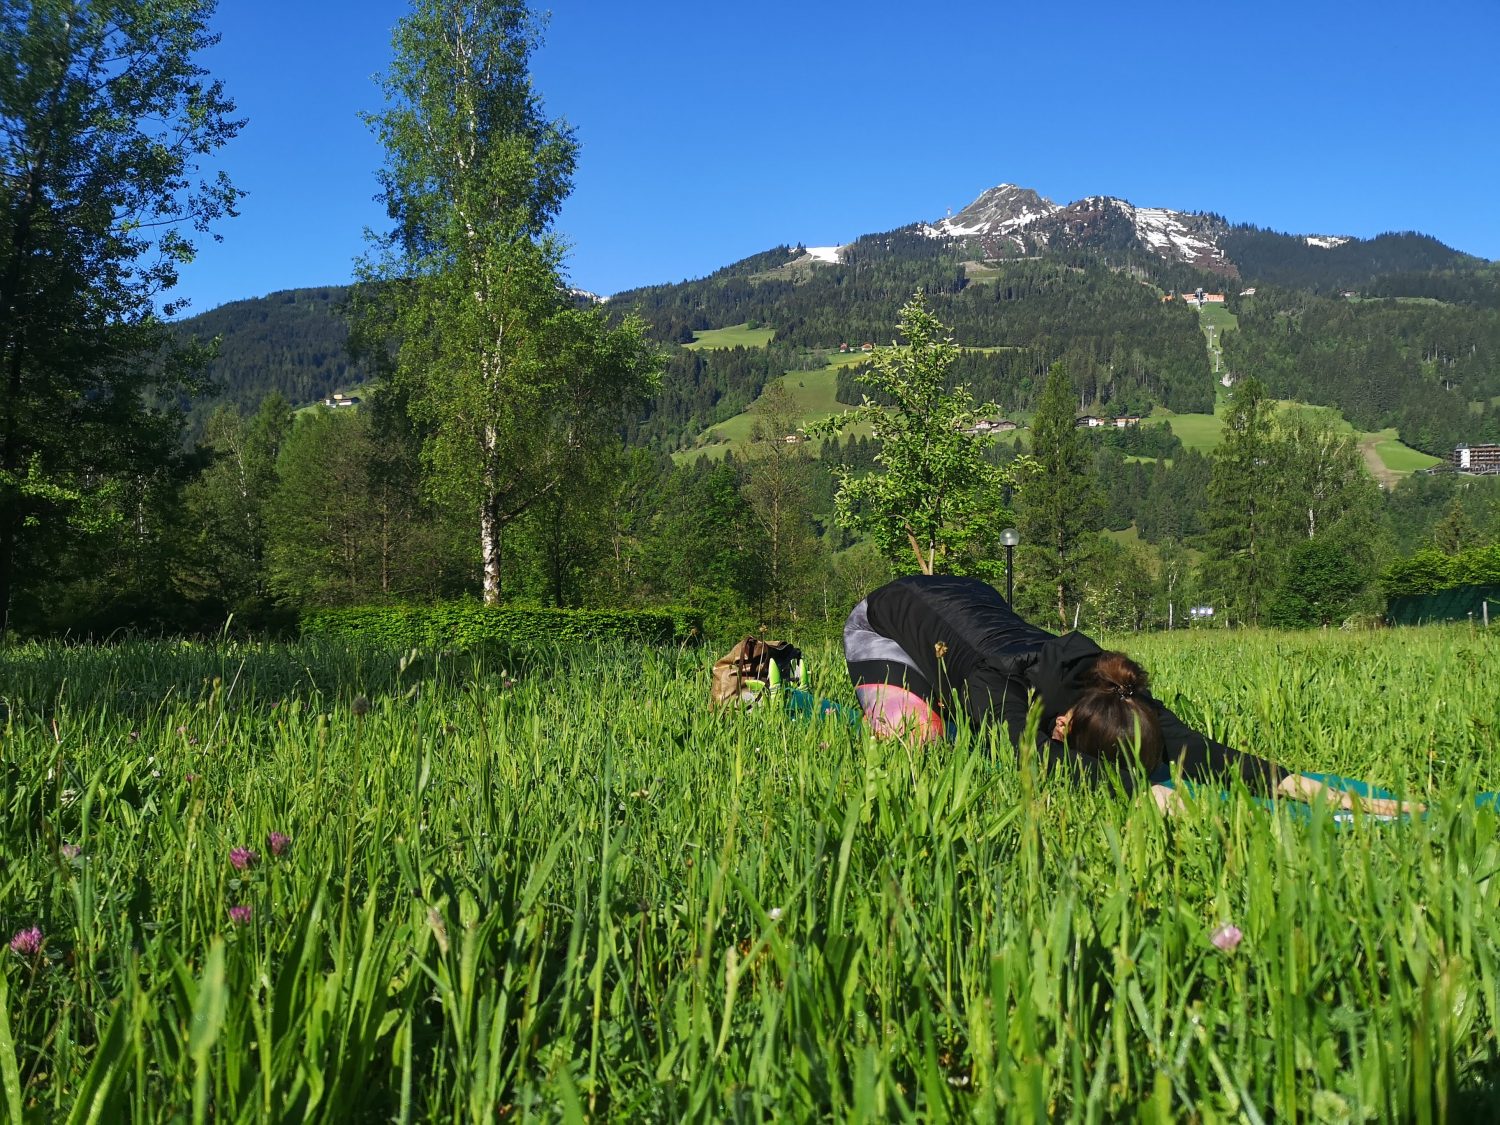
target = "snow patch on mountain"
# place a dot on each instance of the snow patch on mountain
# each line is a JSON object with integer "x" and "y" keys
{"x": 1325, "y": 241}
{"x": 1023, "y": 219}
{"x": 1173, "y": 234}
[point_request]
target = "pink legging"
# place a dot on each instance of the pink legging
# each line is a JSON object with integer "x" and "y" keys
{"x": 894, "y": 710}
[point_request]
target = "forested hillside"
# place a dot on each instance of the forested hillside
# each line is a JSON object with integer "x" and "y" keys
{"x": 1269, "y": 258}
{"x": 1429, "y": 369}
{"x": 1396, "y": 333}
{"x": 1126, "y": 348}
{"x": 293, "y": 343}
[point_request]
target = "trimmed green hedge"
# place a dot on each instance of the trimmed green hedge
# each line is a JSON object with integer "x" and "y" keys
{"x": 468, "y": 625}
{"x": 1430, "y": 570}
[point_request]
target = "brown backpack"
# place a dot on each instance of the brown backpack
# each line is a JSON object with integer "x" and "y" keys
{"x": 741, "y": 674}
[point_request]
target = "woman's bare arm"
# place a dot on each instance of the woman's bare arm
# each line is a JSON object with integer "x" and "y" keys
{"x": 1303, "y": 788}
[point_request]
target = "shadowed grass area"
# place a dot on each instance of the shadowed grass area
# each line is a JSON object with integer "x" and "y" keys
{"x": 573, "y": 891}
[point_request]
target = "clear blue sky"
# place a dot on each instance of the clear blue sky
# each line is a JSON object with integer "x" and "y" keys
{"x": 711, "y": 131}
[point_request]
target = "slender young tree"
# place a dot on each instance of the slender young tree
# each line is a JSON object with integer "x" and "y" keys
{"x": 1241, "y": 522}
{"x": 226, "y": 557}
{"x": 777, "y": 472}
{"x": 106, "y": 121}
{"x": 510, "y": 380}
{"x": 1058, "y": 510}
{"x": 934, "y": 490}
{"x": 1455, "y": 531}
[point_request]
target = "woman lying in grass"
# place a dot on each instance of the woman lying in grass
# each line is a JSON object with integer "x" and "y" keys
{"x": 928, "y": 651}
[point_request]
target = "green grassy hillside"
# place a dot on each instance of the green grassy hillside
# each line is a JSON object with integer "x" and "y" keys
{"x": 812, "y": 391}
{"x": 814, "y": 394}
{"x": 735, "y": 336}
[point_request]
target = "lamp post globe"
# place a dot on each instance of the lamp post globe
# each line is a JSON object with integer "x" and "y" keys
{"x": 1008, "y": 539}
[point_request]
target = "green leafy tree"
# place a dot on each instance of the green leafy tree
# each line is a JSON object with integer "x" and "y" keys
{"x": 1320, "y": 585}
{"x": 121, "y": 573}
{"x": 777, "y": 483}
{"x": 1455, "y": 531}
{"x": 512, "y": 383}
{"x": 935, "y": 491}
{"x": 225, "y": 559}
{"x": 563, "y": 540}
{"x": 106, "y": 121}
{"x": 1427, "y": 571}
{"x": 322, "y": 551}
{"x": 1174, "y": 582}
{"x": 1058, "y": 511}
{"x": 1329, "y": 499}
{"x": 1323, "y": 482}
{"x": 1240, "y": 566}
{"x": 853, "y": 573}
{"x": 632, "y": 482}
{"x": 1116, "y": 589}
{"x": 346, "y": 522}
{"x": 705, "y": 546}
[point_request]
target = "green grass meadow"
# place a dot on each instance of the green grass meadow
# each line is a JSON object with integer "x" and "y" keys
{"x": 565, "y": 889}
{"x": 813, "y": 393}
{"x": 735, "y": 336}
{"x": 1398, "y": 456}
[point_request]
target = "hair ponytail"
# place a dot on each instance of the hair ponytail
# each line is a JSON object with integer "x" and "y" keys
{"x": 1113, "y": 717}
{"x": 1115, "y": 672}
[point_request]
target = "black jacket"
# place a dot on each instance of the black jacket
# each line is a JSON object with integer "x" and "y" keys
{"x": 986, "y": 663}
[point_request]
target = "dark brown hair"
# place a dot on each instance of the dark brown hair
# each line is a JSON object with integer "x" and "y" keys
{"x": 1113, "y": 710}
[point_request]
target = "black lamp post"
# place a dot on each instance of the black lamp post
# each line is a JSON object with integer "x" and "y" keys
{"x": 1008, "y": 539}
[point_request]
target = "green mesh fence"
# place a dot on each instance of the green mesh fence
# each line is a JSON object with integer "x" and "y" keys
{"x": 1459, "y": 604}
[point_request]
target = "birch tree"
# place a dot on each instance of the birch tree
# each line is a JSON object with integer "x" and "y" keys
{"x": 510, "y": 379}
{"x": 778, "y": 486}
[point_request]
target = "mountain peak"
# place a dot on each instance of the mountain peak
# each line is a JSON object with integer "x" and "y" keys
{"x": 1008, "y": 219}
{"x": 998, "y": 210}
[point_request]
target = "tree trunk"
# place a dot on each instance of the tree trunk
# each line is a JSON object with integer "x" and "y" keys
{"x": 385, "y": 548}
{"x": 559, "y": 553}
{"x": 489, "y": 518}
{"x": 489, "y": 546}
{"x": 7, "y": 553}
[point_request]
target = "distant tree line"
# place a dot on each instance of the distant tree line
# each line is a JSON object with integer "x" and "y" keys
{"x": 283, "y": 512}
{"x": 1288, "y": 261}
